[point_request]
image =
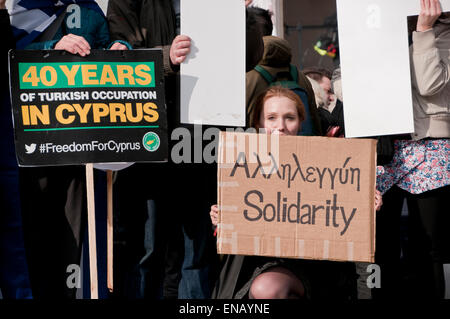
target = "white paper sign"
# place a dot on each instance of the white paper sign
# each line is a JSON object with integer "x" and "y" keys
{"x": 374, "y": 54}
{"x": 213, "y": 75}
{"x": 103, "y": 5}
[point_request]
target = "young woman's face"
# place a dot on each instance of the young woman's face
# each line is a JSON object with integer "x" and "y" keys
{"x": 280, "y": 116}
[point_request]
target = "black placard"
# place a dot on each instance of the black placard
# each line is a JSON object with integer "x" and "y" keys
{"x": 106, "y": 107}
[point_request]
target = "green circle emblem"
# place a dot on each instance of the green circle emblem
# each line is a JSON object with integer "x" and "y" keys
{"x": 151, "y": 141}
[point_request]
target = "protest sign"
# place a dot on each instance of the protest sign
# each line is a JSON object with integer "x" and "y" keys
{"x": 296, "y": 197}
{"x": 212, "y": 78}
{"x": 374, "y": 56}
{"x": 105, "y": 107}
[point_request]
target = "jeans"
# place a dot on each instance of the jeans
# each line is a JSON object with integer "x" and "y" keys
{"x": 194, "y": 283}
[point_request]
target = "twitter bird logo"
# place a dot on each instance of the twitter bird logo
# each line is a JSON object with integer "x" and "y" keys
{"x": 29, "y": 149}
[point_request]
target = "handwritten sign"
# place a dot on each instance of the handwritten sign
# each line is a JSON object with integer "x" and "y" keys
{"x": 298, "y": 197}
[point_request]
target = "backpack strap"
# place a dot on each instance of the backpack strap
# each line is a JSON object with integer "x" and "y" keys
{"x": 294, "y": 73}
{"x": 270, "y": 79}
{"x": 51, "y": 30}
{"x": 265, "y": 74}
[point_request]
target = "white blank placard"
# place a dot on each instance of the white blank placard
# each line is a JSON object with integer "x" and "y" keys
{"x": 375, "y": 67}
{"x": 213, "y": 76}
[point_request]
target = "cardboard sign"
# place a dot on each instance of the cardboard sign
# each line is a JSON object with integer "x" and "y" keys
{"x": 296, "y": 197}
{"x": 375, "y": 65}
{"x": 106, "y": 107}
{"x": 213, "y": 75}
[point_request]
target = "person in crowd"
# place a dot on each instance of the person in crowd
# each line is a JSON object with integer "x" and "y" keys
{"x": 255, "y": 26}
{"x": 388, "y": 222}
{"x": 279, "y": 110}
{"x": 177, "y": 251}
{"x": 332, "y": 116}
{"x": 263, "y": 18}
{"x": 53, "y": 199}
{"x": 276, "y": 60}
{"x": 14, "y": 281}
{"x": 420, "y": 168}
{"x": 170, "y": 255}
{"x": 323, "y": 76}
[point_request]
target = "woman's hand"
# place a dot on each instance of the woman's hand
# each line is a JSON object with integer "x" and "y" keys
{"x": 118, "y": 46}
{"x": 430, "y": 10}
{"x": 180, "y": 48}
{"x": 2, "y": 4}
{"x": 378, "y": 200}
{"x": 214, "y": 213}
{"x": 74, "y": 44}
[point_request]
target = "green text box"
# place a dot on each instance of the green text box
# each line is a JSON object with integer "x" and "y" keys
{"x": 86, "y": 74}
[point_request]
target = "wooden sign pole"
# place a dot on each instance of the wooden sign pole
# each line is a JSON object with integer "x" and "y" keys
{"x": 91, "y": 230}
{"x": 109, "y": 180}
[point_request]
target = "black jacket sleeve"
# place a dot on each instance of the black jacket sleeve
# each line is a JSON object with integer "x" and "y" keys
{"x": 9, "y": 44}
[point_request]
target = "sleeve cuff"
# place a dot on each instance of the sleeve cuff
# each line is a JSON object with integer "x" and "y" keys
{"x": 50, "y": 45}
{"x": 168, "y": 66}
{"x": 125, "y": 43}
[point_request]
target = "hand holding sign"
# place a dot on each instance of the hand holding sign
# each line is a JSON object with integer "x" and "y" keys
{"x": 378, "y": 200}
{"x": 180, "y": 48}
{"x": 214, "y": 214}
{"x": 430, "y": 10}
{"x": 118, "y": 46}
{"x": 74, "y": 44}
{"x": 92, "y": 109}
{"x": 302, "y": 203}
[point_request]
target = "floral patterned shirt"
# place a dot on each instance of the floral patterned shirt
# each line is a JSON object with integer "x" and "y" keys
{"x": 417, "y": 166}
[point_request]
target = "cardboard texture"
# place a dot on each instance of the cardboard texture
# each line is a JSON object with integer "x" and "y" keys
{"x": 296, "y": 197}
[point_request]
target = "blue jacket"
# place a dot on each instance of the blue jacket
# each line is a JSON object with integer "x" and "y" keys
{"x": 93, "y": 28}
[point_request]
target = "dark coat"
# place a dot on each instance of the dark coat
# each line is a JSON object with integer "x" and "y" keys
{"x": 134, "y": 21}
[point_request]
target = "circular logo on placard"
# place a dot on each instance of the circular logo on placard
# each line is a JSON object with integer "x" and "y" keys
{"x": 151, "y": 141}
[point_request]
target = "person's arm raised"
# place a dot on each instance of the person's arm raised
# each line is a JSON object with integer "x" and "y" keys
{"x": 430, "y": 10}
